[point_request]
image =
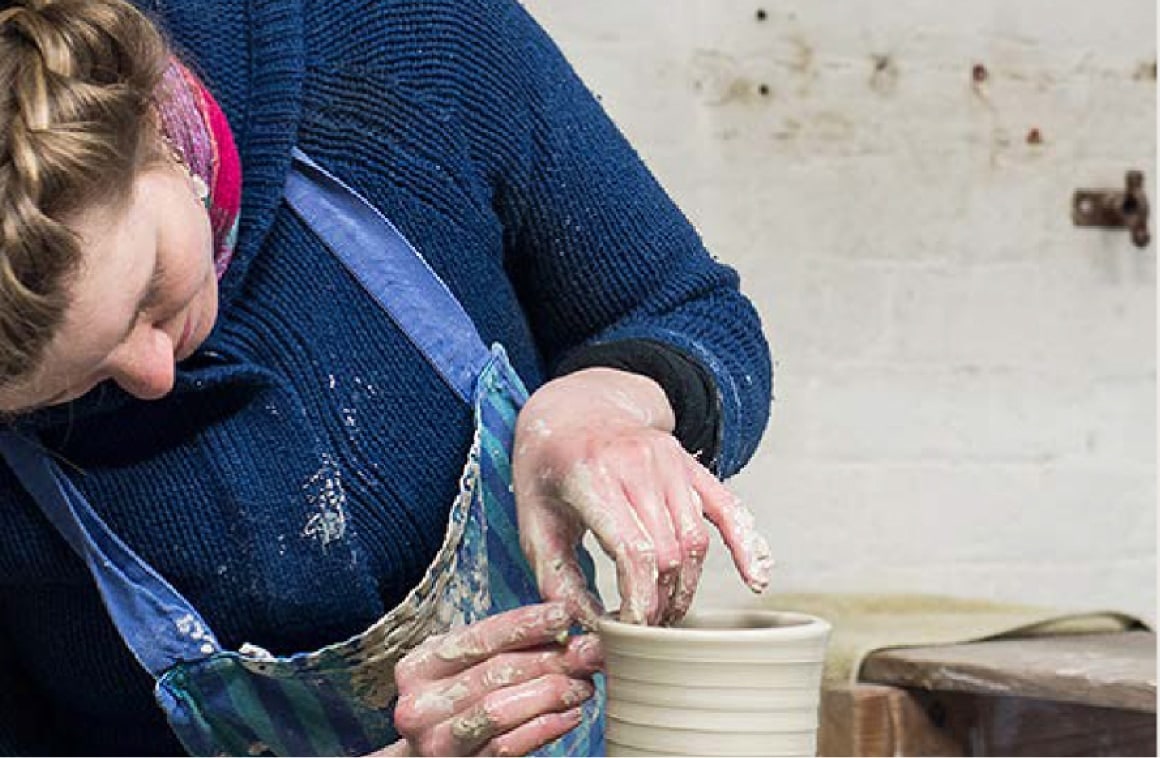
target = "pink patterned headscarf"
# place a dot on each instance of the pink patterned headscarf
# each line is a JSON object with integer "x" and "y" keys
{"x": 194, "y": 125}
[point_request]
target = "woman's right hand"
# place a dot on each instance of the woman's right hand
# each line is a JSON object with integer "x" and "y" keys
{"x": 501, "y": 686}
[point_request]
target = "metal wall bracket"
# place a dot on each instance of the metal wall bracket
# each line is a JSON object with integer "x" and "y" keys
{"x": 1115, "y": 209}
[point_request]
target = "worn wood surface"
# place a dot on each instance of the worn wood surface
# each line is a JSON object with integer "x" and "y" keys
{"x": 879, "y": 720}
{"x": 876, "y": 720}
{"x": 1105, "y": 670}
{"x": 1018, "y": 726}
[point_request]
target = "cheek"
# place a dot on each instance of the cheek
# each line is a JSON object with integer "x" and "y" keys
{"x": 208, "y": 292}
{"x": 205, "y": 235}
{"x": 190, "y": 264}
{"x": 199, "y": 250}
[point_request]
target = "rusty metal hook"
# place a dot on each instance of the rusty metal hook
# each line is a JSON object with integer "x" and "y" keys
{"x": 1115, "y": 209}
{"x": 1135, "y": 208}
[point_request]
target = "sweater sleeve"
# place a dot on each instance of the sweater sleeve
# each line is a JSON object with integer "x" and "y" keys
{"x": 596, "y": 249}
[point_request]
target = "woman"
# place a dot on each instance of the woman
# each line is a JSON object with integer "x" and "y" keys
{"x": 252, "y": 449}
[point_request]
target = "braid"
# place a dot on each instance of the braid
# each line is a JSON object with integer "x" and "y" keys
{"x": 77, "y": 82}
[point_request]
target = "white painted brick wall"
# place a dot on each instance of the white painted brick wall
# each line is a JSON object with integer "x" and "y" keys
{"x": 966, "y": 384}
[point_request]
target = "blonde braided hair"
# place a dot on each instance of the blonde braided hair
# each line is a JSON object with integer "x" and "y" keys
{"x": 77, "y": 81}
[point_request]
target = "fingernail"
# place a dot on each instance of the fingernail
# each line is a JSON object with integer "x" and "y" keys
{"x": 760, "y": 565}
{"x": 577, "y": 692}
{"x": 587, "y": 650}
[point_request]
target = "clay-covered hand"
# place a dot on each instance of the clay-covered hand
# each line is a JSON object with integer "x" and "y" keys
{"x": 502, "y": 686}
{"x": 595, "y": 450}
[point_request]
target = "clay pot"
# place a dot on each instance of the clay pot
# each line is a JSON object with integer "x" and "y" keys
{"x": 719, "y": 683}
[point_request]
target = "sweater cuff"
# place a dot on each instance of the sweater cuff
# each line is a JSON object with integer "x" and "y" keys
{"x": 688, "y": 385}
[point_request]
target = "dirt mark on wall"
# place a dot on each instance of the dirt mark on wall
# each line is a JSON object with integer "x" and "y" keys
{"x": 715, "y": 78}
{"x": 884, "y": 74}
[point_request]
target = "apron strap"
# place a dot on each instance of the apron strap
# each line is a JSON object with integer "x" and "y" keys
{"x": 391, "y": 270}
{"x": 158, "y": 625}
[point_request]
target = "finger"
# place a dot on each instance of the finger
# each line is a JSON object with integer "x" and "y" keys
{"x": 685, "y": 592}
{"x": 504, "y": 710}
{"x": 552, "y": 556}
{"x": 735, "y": 522}
{"x": 694, "y": 538}
{"x": 643, "y": 487}
{"x": 684, "y": 505}
{"x": 584, "y": 655}
{"x": 616, "y": 526}
{"x": 535, "y": 734}
{"x": 462, "y": 648}
{"x": 580, "y": 658}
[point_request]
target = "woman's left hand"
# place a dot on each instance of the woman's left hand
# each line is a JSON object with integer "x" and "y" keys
{"x": 505, "y": 685}
{"x": 595, "y": 450}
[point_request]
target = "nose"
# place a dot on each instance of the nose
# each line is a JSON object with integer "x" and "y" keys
{"x": 144, "y": 364}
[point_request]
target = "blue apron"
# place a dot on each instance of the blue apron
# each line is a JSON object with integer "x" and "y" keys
{"x": 338, "y": 700}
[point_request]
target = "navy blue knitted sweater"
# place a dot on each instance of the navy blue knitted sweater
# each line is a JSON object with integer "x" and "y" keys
{"x": 462, "y": 122}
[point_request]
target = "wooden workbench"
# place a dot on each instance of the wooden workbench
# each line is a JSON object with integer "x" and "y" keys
{"x": 1084, "y": 694}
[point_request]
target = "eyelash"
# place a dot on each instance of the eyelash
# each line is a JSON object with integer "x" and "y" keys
{"x": 149, "y": 312}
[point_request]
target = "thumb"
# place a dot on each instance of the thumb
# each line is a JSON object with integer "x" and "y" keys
{"x": 561, "y": 579}
{"x": 550, "y": 544}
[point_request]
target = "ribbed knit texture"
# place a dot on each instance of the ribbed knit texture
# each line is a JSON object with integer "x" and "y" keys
{"x": 296, "y": 482}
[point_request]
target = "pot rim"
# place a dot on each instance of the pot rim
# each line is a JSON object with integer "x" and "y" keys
{"x": 782, "y": 625}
